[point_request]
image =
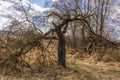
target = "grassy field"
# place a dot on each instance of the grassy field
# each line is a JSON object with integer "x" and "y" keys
{"x": 77, "y": 69}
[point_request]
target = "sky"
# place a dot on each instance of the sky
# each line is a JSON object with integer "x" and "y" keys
{"x": 6, "y": 10}
{"x": 38, "y": 2}
{"x": 39, "y": 6}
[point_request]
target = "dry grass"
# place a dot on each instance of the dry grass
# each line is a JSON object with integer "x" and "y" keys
{"x": 77, "y": 70}
{"x": 96, "y": 57}
{"x": 107, "y": 58}
{"x": 91, "y": 68}
{"x": 78, "y": 55}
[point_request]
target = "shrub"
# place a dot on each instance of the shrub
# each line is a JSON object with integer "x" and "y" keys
{"x": 107, "y": 58}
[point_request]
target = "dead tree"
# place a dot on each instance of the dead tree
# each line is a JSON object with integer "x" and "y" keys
{"x": 63, "y": 14}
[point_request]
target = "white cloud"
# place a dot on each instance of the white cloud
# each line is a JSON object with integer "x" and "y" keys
{"x": 54, "y": 0}
{"x": 38, "y": 8}
{"x": 3, "y": 22}
{"x": 7, "y": 9}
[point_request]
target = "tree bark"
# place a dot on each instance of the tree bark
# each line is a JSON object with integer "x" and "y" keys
{"x": 61, "y": 49}
{"x": 83, "y": 33}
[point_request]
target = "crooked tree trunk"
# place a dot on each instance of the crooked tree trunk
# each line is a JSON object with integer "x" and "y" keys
{"x": 61, "y": 49}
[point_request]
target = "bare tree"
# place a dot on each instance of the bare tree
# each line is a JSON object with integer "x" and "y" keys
{"x": 65, "y": 12}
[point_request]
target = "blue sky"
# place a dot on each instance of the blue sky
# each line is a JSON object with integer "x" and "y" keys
{"x": 38, "y": 2}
